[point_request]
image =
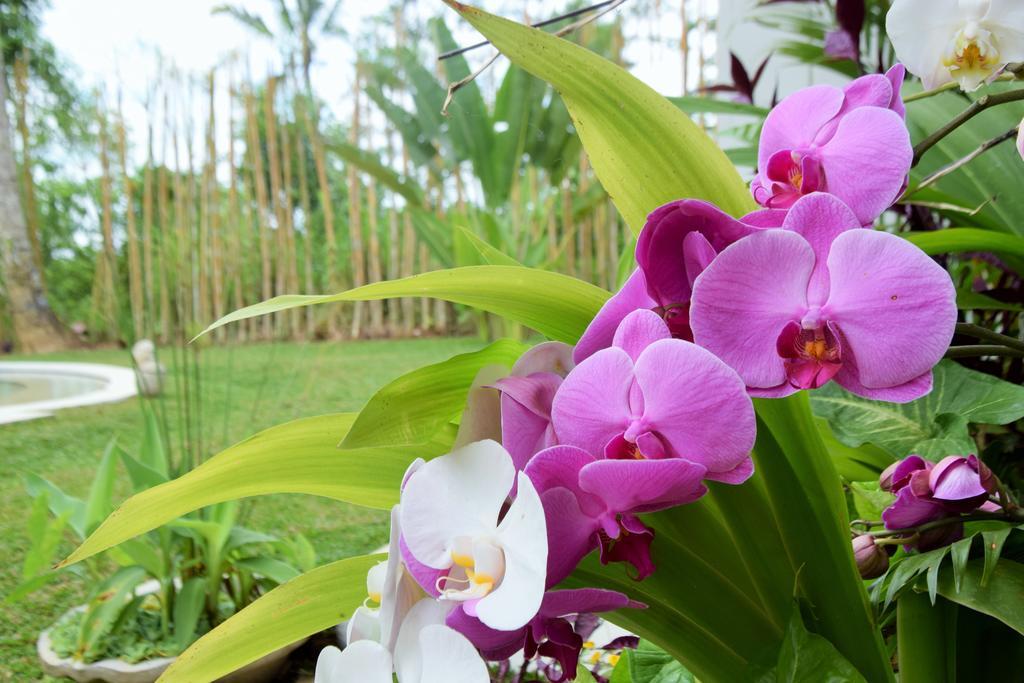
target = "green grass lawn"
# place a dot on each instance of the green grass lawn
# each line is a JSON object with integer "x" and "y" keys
{"x": 243, "y": 389}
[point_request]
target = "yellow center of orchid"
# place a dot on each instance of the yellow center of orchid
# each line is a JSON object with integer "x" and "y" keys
{"x": 816, "y": 348}
{"x": 467, "y": 580}
{"x": 972, "y": 55}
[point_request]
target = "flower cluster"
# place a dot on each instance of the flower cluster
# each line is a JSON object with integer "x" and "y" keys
{"x": 562, "y": 456}
{"x": 927, "y": 492}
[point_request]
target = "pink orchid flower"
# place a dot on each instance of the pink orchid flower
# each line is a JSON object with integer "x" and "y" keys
{"x": 850, "y": 142}
{"x": 824, "y": 299}
{"x": 678, "y": 241}
{"x": 591, "y": 503}
{"x": 650, "y": 396}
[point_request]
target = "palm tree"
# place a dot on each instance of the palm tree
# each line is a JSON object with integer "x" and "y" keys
{"x": 298, "y": 26}
{"x": 35, "y": 326}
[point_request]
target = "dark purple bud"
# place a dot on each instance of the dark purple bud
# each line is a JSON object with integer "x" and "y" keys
{"x": 897, "y": 475}
{"x": 989, "y": 481}
{"x": 872, "y": 560}
{"x": 956, "y": 481}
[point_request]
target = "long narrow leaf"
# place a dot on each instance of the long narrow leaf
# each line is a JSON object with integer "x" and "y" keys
{"x": 296, "y": 457}
{"x": 305, "y": 605}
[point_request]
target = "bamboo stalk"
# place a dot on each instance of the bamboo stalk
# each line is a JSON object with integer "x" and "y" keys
{"x": 355, "y": 222}
{"x": 327, "y": 205}
{"x": 147, "y": 225}
{"x": 601, "y": 244}
{"x": 394, "y": 266}
{"x": 235, "y": 260}
{"x": 164, "y": 210}
{"x": 135, "y": 294}
{"x": 276, "y": 204}
{"x": 292, "y": 272}
{"x": 213, "y": 213}
{"x": 262, "y": 208}
{"x": 305, "y": 205}
{"x": 408, "y": 233}
{"x": 568, "y": 228}
{"x": 586, "y": 225}
{"x": 376, "y": 307}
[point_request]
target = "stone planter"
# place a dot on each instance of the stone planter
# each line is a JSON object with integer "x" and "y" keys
{"x": 263, "y": 670}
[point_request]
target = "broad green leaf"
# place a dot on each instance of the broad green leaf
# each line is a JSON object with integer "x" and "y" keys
{"x": 973, "y": 301}
{"x": 645, "y": 150}
{"x": 412, "y": 408}
{"x": 960, "y": 240}
{"x": 296, "y": 457}
{"x": 583, "y": 674}
{"x": 305, "y": 605}
{"x": 188, "y": 607}
{"x": 558, "y": 306}
{"x": 806, "y": 657}
{"x": 1001, "y": 598}
{"x": 926, "y": 653}
{"x": 933, "y": 426}
{"x": 142, "y": 476}
{"x": 853, "y": 463}
{"x": 960, "y": 552}
{"x": 152, "y": 453}
{"x": 488, "y": 253}
{"x": 993, "y": 542}
{"x": 869, "y": 499}
{"x": 370, "y": 163}
{"x": 810, "y": 509}
{"x": 651, "y": 664}
{"x": 61, "y": 504}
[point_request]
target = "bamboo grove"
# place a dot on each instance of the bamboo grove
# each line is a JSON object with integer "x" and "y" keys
{"x": 297, "y": 199}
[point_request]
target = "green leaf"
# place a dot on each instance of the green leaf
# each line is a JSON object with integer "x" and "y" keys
{"x": 275, "y": 570}
{"x": 61, "y": 504}
{"x": 488, "y": 253}
{"x": 926, "y": 654}
{"x": 853, "y": 463}
{"x": 960, "y": 552}
{"x": 106, "y": 605}
{"x": 371, "y": 163}
{"x": 412, "y": 408}
{"x": 645, "y": 151}
{"x": 933, "y": 426}
{"x": 583, "y": 674}
{"x": 960, "y": 240}
{"x": 1001, "y": 598}
{"x": 296, "y": 457}
{"x": 869, "y": 499}
{"x": 188, "y": 607}
{"x": 650, "y": 664}
{"x": 312, "y": 602}
{"x": 807, "y": 657}
{"x": 152, "y": 453}
{"x": 101, "y": 492}
{"x": 695, "y": 104}
{"x": 558, "y": 306}
{"x": 142, "y": 476}
{"x": 993, "y": 541}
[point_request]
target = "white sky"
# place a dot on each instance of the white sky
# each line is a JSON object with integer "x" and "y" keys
{"x": 115, "y": 43}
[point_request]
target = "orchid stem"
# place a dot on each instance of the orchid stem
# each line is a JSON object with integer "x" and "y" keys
{"x": 983, "y": 350}
{"x": 984, "y": 102}
{"x": 604, "y": 8}
{"x": 979, "y": 332}
{"x": 960, "y": 163}
{"x": 1015, "y": 516}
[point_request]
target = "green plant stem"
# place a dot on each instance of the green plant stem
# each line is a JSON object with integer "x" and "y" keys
{"x": 1011, "y": 516}
{"x": 983, "y": 350}
{"x": 979, "y": 332}
{"x": 963, "y": 161}
{"x": 981, "y": 104}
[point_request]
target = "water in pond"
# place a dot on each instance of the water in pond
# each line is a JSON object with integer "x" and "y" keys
{"x": 18, "y": 387}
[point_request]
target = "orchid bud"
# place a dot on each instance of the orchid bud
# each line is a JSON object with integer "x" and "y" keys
{"x": 897, "y": 475}
{"x": 989, "y": 481}
{"x": 872, "y": 560}
{"x": 956, "y": 481}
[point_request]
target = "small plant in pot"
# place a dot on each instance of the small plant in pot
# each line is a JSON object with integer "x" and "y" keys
{"x": 155, "y": 594}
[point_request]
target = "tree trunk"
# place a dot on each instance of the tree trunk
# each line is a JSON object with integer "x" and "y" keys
{"x": 36, "y": 328}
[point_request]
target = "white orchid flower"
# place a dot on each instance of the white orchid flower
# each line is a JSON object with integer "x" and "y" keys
{"x": 451, "y": 520}
{"x": 1020, "y": 140}
{"x": 967, "y": 41}
{"x": 405, "y": 635}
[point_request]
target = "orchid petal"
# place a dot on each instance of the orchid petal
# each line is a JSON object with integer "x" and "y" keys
{"x": 363, "y": 661}
{"x": 867, "y": 160}
{"x": 697, "y": 404}
{"x": 364, "y": 624}
{"x": 458, "y": 494}
{"x": 526, "y": 414}
{"x": 599, "y": 334}
{"x": 449, "y": 657}
{"x": 638, "y": 330}
{"x": 819, "y": 218}
{"x": 910, "y": 510}
{"x": 559, "y": 467}
{"x": 592, "y": 405}
{"x": 564, "y": 603}
{"x": 553, "y": 357}
{"x": 523, "y": 536}
{"x": 794, "y": 122}
{"x": 895, "y": 307}
{"x": 920, "y": 31}
{"x": 574, "y": 531}
{"x": 482, "y": 417}
{"x": 409, "y": 655}
{"x": 644, "y": 485}
{"x": 896, "y": 74}
{"x": 493, "y": 644}
{"x": 746, "y": 296}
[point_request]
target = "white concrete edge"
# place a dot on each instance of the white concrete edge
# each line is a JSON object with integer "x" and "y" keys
{"x": 120, "y": 384}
